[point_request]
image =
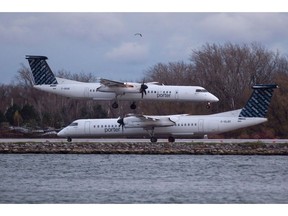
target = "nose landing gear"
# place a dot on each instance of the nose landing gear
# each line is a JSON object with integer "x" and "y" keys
{"x": 133, "y": 106}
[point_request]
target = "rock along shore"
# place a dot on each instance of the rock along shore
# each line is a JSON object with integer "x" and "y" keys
{"x": 253, "y": 148}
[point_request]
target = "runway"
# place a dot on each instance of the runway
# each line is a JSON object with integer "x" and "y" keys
{"x": 122, "y": 140}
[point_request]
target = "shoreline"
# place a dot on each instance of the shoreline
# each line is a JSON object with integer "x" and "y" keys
{"x": 193, "y": 148}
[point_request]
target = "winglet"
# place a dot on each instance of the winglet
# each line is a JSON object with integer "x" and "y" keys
{"x": 258, "y": 104}
{"x": 41, "y": 71}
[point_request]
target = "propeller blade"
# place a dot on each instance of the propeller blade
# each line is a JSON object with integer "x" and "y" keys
{"x": 120, "y": 121}
{"x": 143, "y": 89}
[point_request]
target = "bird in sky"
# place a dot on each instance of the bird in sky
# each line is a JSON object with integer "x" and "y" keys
{"x": 138, "y": 34}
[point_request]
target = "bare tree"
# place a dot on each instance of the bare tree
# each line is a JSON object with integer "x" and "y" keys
{"x": 24, "y": 77}
{"x": 230, "y": 70}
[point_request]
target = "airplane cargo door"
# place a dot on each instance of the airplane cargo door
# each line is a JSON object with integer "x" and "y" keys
{"x": 201, "y": 125}
{"x": 87, "y": 127}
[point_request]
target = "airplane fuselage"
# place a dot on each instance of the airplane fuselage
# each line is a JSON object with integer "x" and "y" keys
{"x": 184, "y": 126}
{"x": 154, "y": 92}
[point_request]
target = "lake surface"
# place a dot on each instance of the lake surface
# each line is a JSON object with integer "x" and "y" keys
{"x": 99, "y": 179}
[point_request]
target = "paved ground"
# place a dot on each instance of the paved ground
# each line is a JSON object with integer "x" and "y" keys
{"x": 20, "y": 140}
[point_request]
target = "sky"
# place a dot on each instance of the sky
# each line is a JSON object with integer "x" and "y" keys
{"x": 104, "y": 43}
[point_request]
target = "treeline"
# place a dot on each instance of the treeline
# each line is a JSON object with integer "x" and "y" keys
{"x": 228, "y": 71}
{"x": 23, "y": 105}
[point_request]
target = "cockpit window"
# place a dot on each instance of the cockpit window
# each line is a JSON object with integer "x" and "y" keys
{"x": 201, "y": 90}
{"x": 74, "y": 124}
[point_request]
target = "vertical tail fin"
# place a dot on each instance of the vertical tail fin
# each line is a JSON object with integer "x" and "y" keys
{"x": 258, "y": 104}
{"x": 41, "y": 71}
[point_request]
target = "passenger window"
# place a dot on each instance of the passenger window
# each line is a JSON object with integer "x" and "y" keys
{"x": 201, "y": 90}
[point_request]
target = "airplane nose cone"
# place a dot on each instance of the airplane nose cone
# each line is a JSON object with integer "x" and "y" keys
{"x": 213, "y": 98}
{"x": 61, "y": 133}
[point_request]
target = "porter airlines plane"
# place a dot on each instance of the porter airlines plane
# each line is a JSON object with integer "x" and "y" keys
{"x": 171, "y": 126}
{"x": 45, "y": 80}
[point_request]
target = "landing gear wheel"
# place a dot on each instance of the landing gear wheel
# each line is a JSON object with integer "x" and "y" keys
{"x": 133, "y": 106}
{"x": 153, "y": 139}
{"x": 115, "y": 105}
{"x": 208, "y": 106}
{"x": 69, "y": 139}
{"x": 171, "y": 139}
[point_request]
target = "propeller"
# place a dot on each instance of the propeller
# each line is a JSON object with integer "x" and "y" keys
{"x": 143, "y": 88}
{"x": 120, "y": 121}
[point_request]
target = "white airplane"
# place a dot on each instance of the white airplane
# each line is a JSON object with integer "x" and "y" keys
{"x": 45, "y": 80}
{"x": 172, "y": 126}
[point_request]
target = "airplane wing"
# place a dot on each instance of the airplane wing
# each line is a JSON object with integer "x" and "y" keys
{"x": 147, "y": 122}
{"x": 112, "y": 83}
{"x": 120, "y": 88}
{"x": 148, "y": 119}
{"x": 154, "y": 83}
{"x": 144, "y": 117}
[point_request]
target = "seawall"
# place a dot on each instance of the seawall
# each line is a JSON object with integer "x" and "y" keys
{"x": 253, "y": 148}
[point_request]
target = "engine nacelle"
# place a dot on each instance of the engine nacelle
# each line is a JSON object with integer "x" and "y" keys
{"x": 127, "y": 88}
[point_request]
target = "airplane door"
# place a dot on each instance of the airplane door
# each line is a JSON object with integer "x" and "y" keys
{"x": 201, "y": 125}
{"x": 87, "y": 127}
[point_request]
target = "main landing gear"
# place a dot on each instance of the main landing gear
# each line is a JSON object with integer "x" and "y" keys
{"x": 115, "y": 105}
{"x": 132, "y": 106}
{"x": 153, "y": 139}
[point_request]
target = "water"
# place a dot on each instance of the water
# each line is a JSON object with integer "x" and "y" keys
{"x": 41, "y": 178}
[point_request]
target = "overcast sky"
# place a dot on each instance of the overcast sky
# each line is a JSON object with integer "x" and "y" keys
{"x": 105, "y": 44}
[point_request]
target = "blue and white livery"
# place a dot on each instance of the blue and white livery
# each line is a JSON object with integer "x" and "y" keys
{"x": 171, "y": 126}
{"x": 108, "y": 90}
